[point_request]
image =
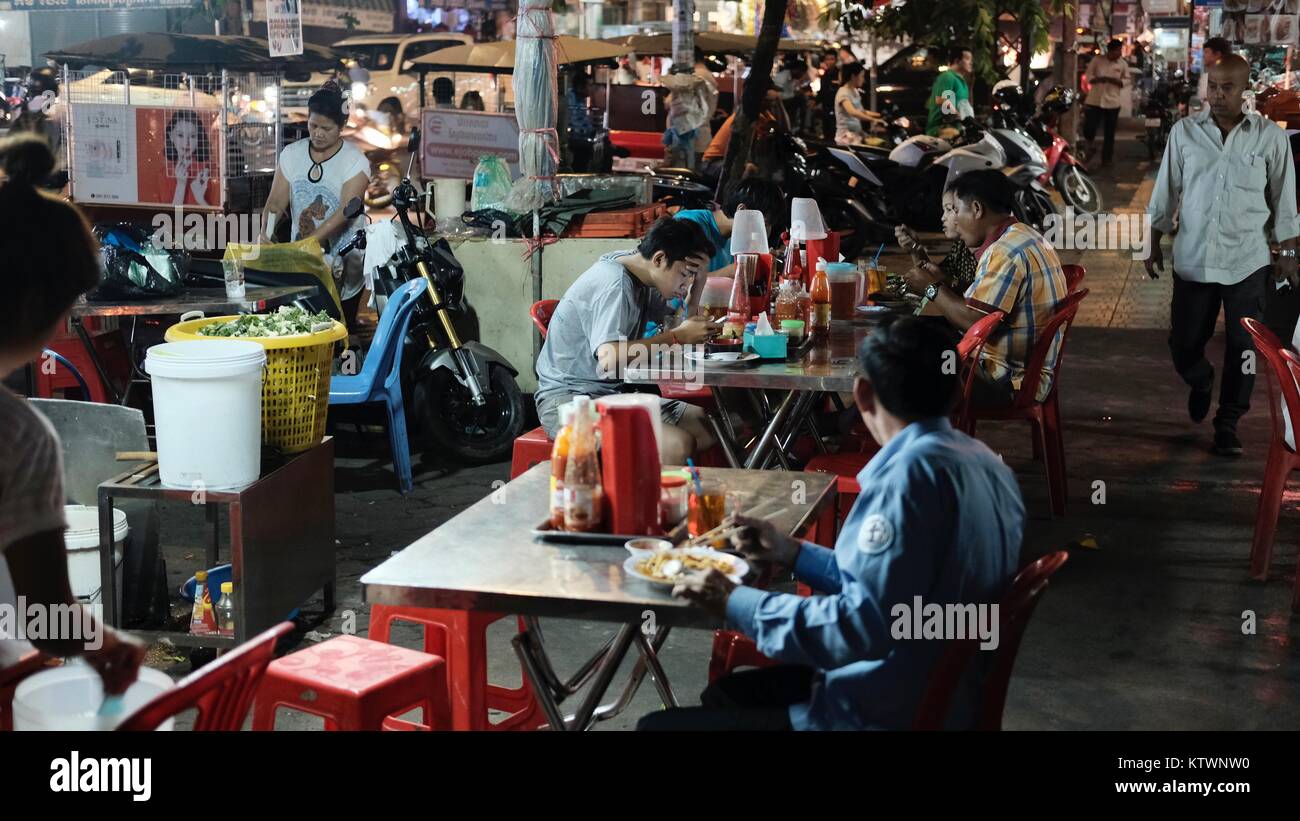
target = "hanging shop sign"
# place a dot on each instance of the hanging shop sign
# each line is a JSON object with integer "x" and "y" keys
{"x": 370, "y": 15}
{"x": 451, "y": 141}
{"x": 284, "y": 27}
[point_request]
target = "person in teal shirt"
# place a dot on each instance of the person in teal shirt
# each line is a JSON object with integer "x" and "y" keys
{"x": 752, "y": 193}
{"x": 950, "y": 84}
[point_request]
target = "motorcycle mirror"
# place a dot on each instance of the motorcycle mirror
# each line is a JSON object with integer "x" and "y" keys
{"x": 354, "y": 208}
{"x": 413, "y": 143}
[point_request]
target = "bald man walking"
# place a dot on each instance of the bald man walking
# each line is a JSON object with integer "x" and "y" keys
{"x": 1228, "y": 179}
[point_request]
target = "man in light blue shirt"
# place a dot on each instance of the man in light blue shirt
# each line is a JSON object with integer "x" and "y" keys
{"x": 939, "y": 521}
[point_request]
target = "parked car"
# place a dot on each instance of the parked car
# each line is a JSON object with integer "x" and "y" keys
{"x": 387, "y": 59}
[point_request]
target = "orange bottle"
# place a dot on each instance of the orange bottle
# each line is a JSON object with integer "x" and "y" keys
{"x": 559, "y": 461}
{"x": 819, "y": 316}
{"x": 583, "y": 503}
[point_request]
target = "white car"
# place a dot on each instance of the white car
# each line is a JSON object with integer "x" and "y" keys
{"x": 387, "y": 59}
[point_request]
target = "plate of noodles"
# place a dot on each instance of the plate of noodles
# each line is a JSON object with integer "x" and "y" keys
{"x": 672, "y": 565}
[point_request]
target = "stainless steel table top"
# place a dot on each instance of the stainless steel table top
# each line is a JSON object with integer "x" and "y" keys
{"x": 827, "y": 367}
{"x": 485, "y": 558}
{"x": 212, "y": 301}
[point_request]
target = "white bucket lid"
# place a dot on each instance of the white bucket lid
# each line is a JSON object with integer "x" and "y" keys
{"x": 83, "y": 526}
{"x": 205, "y": 358}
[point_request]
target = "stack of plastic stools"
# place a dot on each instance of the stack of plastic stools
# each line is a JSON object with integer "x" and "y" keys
{"x": 531, "y": 448}
{"x": 355, "y": 684}
{"x": 460, "y": 637}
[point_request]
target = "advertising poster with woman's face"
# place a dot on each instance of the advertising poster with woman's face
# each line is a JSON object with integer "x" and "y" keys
{"x": 178, "y": 157}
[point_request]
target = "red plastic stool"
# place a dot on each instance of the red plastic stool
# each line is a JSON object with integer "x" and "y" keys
{"x": 531, "y": 448}
{"x": 460, "y": 637}
{"x": 112, "y": 353}
{"x": 355, "y": 684}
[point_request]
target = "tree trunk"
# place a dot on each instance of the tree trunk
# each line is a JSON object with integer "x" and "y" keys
{"x": 760, "y": 68}
{"x": 1026, "y": 56}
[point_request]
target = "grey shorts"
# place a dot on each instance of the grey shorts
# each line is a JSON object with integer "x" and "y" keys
{"x": 548, "y": 411}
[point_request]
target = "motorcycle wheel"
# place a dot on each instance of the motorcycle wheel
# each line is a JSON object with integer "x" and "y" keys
{"x": 1033, "y": 208}
{"x": 454, "y": 426}
{"x": 1077, "y": 189}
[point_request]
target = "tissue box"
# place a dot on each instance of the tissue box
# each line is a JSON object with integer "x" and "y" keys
{"x": 767, "y": 347}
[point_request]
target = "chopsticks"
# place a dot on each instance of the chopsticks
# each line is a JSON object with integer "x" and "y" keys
{"x": 728, "y": 526}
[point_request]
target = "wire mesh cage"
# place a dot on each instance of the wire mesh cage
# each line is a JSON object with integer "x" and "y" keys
{"x": 154, "y": 139}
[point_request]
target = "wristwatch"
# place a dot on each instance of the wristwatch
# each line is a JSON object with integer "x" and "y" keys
{"x": 932, "y": 291}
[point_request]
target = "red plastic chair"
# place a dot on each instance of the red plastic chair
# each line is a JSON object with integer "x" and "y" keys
{"x": 969, "y": 349}
{"x": 1284, "y": 367}
{"x": 1013, "y": 617}
{"x": 1044, "y": 417}
{"x": 541, "y": 312}
{"x": 1074, "y": 275}
{"x": 222, "y": 691}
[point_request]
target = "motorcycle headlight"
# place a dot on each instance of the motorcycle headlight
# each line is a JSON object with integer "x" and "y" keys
{"x": 359, "y": 91}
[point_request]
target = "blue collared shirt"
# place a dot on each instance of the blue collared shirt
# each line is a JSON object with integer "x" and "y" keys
{"x": 939, "y": 517}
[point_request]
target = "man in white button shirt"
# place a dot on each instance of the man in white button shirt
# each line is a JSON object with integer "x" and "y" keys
{"x": 1229, "y": 177}
{"x": 1108, "y": 76}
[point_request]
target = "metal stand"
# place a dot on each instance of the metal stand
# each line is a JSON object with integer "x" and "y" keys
{"x": 281, "y": 539}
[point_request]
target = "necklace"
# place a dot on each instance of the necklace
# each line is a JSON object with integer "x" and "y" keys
{"x": 317, "y": 171}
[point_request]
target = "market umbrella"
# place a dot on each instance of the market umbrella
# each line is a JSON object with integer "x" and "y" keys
{"x": 191, "y": 52}
{"x": 536, "y": 93}
{"x": 499, "y": 57}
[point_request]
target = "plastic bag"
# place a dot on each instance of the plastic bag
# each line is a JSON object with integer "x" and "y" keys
{"x": 491, "y": 183}
{"x": 133, "y": 267}
{"x": 302, "y": 257}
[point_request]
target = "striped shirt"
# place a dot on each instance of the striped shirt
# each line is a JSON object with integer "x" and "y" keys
{"x": 1020, "y": 275}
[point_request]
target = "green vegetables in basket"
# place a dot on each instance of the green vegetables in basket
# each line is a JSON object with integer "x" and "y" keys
{"x": 287, "y": 321}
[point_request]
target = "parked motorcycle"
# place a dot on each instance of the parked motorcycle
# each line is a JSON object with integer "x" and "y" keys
{"x": 1014, "y": 110}
{"x": 1166, "y": 104}
{"x": 911, "y": 181}
{"x": 462, "y": 397}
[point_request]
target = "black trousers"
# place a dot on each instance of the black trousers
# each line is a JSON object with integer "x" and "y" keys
{"x": 1192, "y": 317}
{"x": 749, "y": 700}
{"x": 1109, "y": 118}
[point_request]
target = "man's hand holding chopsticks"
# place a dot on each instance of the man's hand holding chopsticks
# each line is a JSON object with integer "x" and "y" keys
{"x": 759, "y": 539}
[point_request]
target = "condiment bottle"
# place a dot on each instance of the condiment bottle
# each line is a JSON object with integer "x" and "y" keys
{"x": 819, "y": 317}
{"x": 582, "y": 491}
{"x": 559, "y": 462}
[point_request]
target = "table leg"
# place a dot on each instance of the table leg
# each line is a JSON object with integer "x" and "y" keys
{"x": 764, "y": 410}
{"x": 528, "y": 658}
{"x": 89, "y": 345}
{"x": 785, "y": 439}
{"x": 604, "y": 675}
{"x": 723, "y": 429}
{"x": 650, "y": 659}
{"x": 759, "y": 453}
{"x": 213, "y": 516}
{"x": 648, "y": 650}
{"x": 107, "y": 571}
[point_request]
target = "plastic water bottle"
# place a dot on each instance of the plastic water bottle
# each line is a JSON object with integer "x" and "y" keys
{"x": 226, "y": 611}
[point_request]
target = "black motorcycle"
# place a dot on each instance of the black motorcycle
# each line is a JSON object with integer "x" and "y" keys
{"x": 1166, "y": 104}
{"x": 461, "y": 396}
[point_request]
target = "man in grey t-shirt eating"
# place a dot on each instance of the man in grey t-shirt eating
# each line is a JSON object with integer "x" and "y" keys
{"x": 600, "y": 324}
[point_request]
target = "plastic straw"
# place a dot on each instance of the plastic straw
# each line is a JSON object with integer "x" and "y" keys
{"x": 695, "y": 474}
{"x": 876, "y": 258}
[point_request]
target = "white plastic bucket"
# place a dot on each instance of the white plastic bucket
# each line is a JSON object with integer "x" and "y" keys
{"x": 69, "y": 697}
{"x": 448, "y": 198}
{"x": 82, "y": 542}
{"x": 207, "y": 400}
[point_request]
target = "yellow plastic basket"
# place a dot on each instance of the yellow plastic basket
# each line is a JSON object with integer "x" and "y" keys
{"x": 296, "y": 385}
